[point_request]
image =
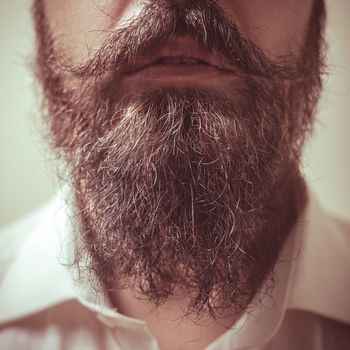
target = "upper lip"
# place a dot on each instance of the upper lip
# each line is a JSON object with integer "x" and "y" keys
{"x": 181, "y": 47}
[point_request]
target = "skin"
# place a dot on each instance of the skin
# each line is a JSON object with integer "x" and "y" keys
{"x": 81, "y": 26}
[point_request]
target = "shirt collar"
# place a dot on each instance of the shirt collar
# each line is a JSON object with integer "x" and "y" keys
{"x": 321, "y": 281}
{"x": 35, "y": 275}
{"x": 311, "y": 282}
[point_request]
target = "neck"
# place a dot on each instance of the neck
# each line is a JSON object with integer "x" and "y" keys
{"x": 168, "y": 322}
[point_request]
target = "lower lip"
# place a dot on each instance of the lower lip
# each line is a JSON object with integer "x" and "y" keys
{"x": 177, "y": 72}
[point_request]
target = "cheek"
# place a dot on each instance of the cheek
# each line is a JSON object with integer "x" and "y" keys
{"x": 80, "y": 26}
{"x": 278, "y": 27}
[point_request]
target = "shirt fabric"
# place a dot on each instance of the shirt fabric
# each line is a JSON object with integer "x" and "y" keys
{"x": 44, "y": 306}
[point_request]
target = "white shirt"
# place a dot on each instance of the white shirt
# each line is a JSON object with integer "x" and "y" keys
{"x": 42, "y": 308}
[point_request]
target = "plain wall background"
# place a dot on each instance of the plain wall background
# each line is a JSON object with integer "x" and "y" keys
{"x": 26, "y": 176}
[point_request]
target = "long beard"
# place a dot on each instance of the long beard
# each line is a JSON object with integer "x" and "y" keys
{"x": 186, "y": 188}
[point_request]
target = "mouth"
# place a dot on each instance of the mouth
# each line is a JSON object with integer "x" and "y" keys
{"x": 180, "y": 59}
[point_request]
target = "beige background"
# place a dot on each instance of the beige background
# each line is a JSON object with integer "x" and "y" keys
{"x": 26, "y": 180}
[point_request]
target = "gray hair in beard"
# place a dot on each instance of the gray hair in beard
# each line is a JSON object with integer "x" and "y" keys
{"x": 183, "y": 187}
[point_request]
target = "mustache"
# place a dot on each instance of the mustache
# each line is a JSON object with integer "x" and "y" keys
{"x": 202, "y": 20}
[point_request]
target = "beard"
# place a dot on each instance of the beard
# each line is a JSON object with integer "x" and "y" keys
{"x": 182, "y": 188}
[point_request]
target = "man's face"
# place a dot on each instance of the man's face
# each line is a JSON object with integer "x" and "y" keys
{"x": 182, "y": 124}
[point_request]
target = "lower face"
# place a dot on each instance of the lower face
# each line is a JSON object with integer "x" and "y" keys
{"x": 180, "y": 166}
{"x": 80, "y": 28}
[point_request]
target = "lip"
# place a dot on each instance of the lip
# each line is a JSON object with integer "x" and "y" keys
{"x": 180, "y": 47}
{"x": 176, "y": 72}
